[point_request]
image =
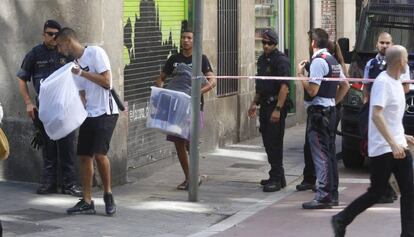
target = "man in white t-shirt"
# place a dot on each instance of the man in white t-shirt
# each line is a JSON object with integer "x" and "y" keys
{"x": 94, "y": 82}
{"x": 387, "y": 146}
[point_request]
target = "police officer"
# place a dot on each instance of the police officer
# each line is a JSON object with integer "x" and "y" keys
{"x": 272, "y": 96}
{"x": 320, "y": 99}
{"x": 38, "y": 64}
{"x": 372, "y": 69}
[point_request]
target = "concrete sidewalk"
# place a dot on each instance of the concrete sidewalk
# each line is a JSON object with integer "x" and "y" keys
{"x": 152, "y": 206}
{"x": 286, "y": 218}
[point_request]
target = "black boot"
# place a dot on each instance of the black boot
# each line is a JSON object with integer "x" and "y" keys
{"x": 46, "y": 188}
{"x": 272, "y": 186}
{"x": 283, "y": 181}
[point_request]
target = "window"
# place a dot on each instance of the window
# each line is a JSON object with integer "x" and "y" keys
{"x": 227, "y": 54}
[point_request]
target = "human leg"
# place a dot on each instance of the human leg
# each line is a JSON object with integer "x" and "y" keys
{"x": 380, "y": 169}
{"x": 319, "y": 142}
{"x": 104, "y": 168}
{"x": 85, "y": 153}
{"x": 309, "y": 177}
{"x": 180, "y": 147}
{"x": 403, "y": 171}
{"x": 49, "y": 153}
{"x": 86, "y": 204}
{"x": 67, "y": 155}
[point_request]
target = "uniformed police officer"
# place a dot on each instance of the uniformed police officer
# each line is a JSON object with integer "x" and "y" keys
{"x": 320, "y": 99}
{"x": 272, "y": 96}
{"x": 38, "y": 64}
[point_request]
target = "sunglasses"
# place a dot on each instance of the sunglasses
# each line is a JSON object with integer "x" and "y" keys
{"x": 51, "y": 34}
{"x": 270, "y": 43}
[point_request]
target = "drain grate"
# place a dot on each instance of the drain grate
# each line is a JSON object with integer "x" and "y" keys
{"x": 26, "y": 221}
{"x": 15, "y": 228}
{"x": 246, "y": 166}
{"x": 33, "y": 215}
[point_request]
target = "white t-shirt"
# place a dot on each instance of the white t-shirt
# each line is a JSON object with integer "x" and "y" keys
{"x": 387, "y": 93}
{"x": 95, "y": 60}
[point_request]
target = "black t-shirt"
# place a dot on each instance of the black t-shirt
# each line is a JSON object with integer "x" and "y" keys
{"x": 174, "y": 60}
{"x": 274, "y": 64}
{"x": 39, "y": 63}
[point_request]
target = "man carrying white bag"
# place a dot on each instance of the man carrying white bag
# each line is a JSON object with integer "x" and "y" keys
{"x": 60, "y": 107}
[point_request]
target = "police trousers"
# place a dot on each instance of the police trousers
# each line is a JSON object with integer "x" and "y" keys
{"x": 64, "y": 149}
{"x": 272, "y": 135}
{"x": 320, "y": 135}
{"x": 381, "y": 168}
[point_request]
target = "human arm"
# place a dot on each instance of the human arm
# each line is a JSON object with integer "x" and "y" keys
{"x": 24, "y": 92}
{"x": 342, "y": 90}
{"x": 211, "y": 82}
{"x": 161, "y": 79}
{"x": 253, "y": 106}
{"x": 310, "y": 87}
{"x": 103, "y": 79}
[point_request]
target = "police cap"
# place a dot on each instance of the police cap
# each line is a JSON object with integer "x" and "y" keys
{"x": 270, "y": 35}
{"x": 52, "y": 24}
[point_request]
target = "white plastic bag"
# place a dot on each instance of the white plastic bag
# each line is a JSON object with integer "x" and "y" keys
{"x": 1, "y": 113}
{"x": 60, "y": 107}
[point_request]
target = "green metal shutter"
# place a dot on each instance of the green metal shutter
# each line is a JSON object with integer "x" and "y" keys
{"x": 151, "y": 33}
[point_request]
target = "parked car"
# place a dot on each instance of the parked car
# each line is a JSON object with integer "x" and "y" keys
{"x": 397, "y": 18}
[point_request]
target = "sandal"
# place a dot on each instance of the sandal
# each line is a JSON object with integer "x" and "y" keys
{"x": 183, "y": 185}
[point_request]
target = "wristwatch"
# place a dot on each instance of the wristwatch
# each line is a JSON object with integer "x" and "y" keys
{"x": 277, "y": 108}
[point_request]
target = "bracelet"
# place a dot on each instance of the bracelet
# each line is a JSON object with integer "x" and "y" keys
{"x": 79, "y": 73}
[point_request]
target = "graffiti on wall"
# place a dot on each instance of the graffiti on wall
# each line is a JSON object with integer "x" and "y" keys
{"x": 151, "y": 33}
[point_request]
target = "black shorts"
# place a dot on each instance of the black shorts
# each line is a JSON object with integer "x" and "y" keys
{"x": 95, "y": 135}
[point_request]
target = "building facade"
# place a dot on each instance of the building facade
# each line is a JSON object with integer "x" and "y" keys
{"x": 139, "y": 35}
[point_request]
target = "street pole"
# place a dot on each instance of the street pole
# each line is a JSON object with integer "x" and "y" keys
{"x": 195, "y": 98}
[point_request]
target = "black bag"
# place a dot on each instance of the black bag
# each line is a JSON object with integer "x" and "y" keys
{"x": 117, "y": 100}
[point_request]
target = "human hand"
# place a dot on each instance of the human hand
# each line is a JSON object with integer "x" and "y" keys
{"x": 76, "y": 70}
{"x": 30, "y": 109}
{"x": 252, "y": 110}
{"x": 301, "y": 67}
{"x": 398, "y": 151}
{"x": 410, "y": 139}
{"x": 275, "y": 117}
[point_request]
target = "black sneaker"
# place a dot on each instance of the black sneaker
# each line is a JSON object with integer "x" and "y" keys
{"x": 74, "y": 190}
{"x": 46, "y": 189}
{"x": 82, "y": 207}
{"x": 110, "y": 206}
{"x": 338, "y": 227}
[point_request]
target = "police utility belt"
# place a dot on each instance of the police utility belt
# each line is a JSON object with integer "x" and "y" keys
{"x": 267, "y": 100}
{"x": 326, "y": 111}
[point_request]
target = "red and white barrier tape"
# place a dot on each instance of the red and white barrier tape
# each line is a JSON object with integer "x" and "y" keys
{"x": 299, "y": 78}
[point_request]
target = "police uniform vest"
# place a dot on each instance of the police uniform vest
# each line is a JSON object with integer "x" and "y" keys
{"x": 376, "y": 67}
{"x": 266, "y": 67}
{"x": 327, "y": 89}
{"x": 40, "y": 63}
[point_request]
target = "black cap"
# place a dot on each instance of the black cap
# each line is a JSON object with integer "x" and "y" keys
{"x": 52, "y": 24}
{"x": 270, "y": 35}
